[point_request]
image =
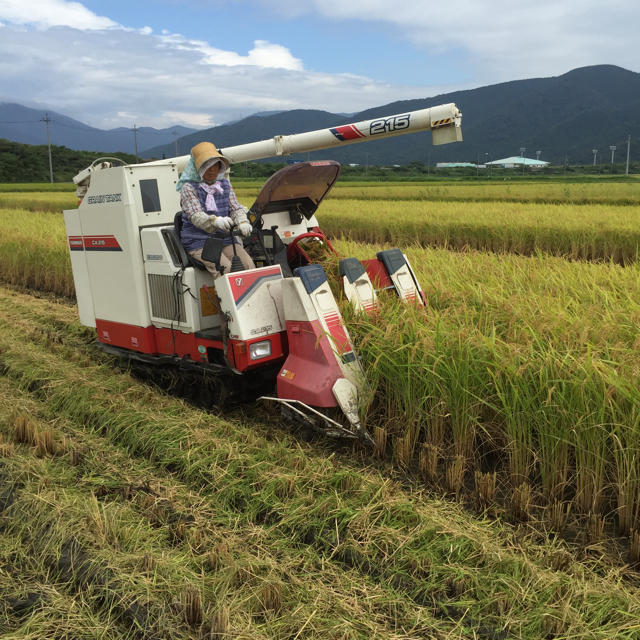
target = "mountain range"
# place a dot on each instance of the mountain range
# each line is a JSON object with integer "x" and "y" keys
{"x": 26, "y": 125}
{"x": 564, "y": 117}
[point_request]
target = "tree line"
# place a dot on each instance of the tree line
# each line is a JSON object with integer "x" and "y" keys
{"x": 30, "y": 163}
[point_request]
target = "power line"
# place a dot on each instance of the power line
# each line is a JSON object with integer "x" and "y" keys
{"x": 19, "y": 121}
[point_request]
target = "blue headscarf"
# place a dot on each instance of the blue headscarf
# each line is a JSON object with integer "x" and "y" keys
{"x": 190, "y": 174}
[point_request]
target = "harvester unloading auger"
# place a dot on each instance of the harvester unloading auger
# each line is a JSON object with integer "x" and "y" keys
{"x": 151, "y": 302}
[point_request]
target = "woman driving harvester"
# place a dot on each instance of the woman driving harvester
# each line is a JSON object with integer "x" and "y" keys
{"x": 210, "y": 207}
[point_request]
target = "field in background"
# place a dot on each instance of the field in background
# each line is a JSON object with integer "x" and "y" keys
{"x": 516, "y": 391}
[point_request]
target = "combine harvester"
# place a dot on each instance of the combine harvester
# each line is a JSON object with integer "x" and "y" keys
{"x": 150, "y": 302}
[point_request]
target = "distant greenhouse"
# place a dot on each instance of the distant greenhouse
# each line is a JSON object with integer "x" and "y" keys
{"x": 518, "y": 161}
{"x": 452, "y": 165}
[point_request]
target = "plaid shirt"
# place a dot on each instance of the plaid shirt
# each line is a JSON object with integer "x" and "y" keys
{"x": 190, "y": 202}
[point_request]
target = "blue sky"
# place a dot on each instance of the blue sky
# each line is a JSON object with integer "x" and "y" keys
{"x": 201, "y": 63}
{"x": 358, "y": 46}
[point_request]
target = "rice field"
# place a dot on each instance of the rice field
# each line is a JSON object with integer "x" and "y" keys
{"x": 512, "y": 396}
{"x": 136, "y": 511}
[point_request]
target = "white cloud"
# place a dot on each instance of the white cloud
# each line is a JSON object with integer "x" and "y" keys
{"x": 52, "y": 13}
{"x": 502, "y": 39}
{"x": 115, "y": 77}
{"x": 263, "y": 54}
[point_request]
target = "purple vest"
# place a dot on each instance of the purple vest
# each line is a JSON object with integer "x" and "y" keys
{"x": 194, "y": 238}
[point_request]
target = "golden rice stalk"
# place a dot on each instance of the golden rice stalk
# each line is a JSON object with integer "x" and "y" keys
{"x": 521, "y": 502}
{"x": 635, "y": 546}
{"x": 558, "y": 515}
{"x": 380, "y": 438}
{"x": 271, "y": 598}
{"x": 455, "y": 474}
{"x": 6, "y": 449}
{"x": 436, "y": 424}
{"x": 178, "y": 532}
{"x": 192, "y": 606}
{"x": 148, "y": 563}
{"x": 404, "y": 451}
{"x": 45, "y": 444}
{"x": 25, "y": 429}
{"x": 219, "y": 627}
{"x": 429, "y": 462}
{"x": 485, "y": 488}
{"x": 219, "y": 557}
{"x": 627, "y": 508}
{"x": 552, "y": 625}
{"x": 595, "y": 527}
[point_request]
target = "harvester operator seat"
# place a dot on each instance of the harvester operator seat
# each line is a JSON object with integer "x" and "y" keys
{"x": 178, "y": 254}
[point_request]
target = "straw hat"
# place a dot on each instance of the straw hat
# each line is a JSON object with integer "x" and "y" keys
{"x": 206, "y": 151}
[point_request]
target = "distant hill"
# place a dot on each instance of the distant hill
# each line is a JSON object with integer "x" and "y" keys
{"x": 30, "y": 163}
{"x": 564, "y": 117}
{"x": 25, "y": 125}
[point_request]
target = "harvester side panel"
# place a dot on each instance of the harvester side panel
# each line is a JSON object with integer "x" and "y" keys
{"x": 111, "y": 243}
{"x": 186, "y": 301}
{"x": 81, "y": 280}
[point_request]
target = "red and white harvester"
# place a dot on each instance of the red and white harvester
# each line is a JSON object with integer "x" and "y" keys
{"x": 150, "y": 302}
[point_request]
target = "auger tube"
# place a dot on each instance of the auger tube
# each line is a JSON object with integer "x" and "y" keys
{"x": 445, "y": 122}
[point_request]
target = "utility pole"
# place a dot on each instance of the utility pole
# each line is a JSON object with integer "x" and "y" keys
{"x": 538, "y": 153}
{"x": 47, "y": 120}
{"x": 628, "y": 147}
{"x": 135, "y": 140}
{"x": 175, "y": 141}
{"x": 613, "y": 148}
{"x": 595, "y": 153}
{"x": 522, "y": 152}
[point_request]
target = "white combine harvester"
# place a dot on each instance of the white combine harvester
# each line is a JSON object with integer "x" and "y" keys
{"x": 149, "y": 301}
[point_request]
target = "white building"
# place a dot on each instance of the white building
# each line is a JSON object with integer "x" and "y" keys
{"x": 518, "y": 161}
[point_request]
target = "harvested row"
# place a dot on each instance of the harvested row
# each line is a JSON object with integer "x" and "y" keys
{"x": 596, "y": 232}
{"x": 429, "y": 552}
{"x": 32, "y": 608}
{"x": 163, "y": 561}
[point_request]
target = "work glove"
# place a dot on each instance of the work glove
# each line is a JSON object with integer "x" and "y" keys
{"x": 245, "y": 229}
{"x": 222, "y": 223}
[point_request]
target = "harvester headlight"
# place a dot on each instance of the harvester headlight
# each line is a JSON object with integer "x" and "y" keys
{"x": 259, "y": 350}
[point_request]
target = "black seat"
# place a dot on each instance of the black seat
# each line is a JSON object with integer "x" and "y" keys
{"x": 178, "y": 254}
